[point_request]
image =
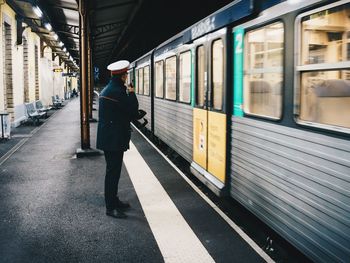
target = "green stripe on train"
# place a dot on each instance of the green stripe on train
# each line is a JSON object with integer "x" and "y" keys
{"x": 238, "y": 72}
{"x": 192, "y": 77}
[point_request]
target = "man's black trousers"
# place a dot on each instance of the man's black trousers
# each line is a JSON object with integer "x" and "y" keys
{"x": 114, "y": 161}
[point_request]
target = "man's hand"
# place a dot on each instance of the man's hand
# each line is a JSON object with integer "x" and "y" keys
{"x": 130, "y": 88}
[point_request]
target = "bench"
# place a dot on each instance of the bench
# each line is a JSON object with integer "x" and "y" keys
{"x": 33, "y": 114}
{"x": 59, "y": 100}
{"x": 57, "y": 104}
{"x": 20, "y": 115}
{"x": 40, "y": 107}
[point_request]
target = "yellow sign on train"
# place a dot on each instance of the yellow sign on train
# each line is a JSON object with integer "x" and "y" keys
{"x": 200, "y": 137}
{"x": 217, "y": 145}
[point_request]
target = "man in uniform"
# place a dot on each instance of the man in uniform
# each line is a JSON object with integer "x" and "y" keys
{"x": 116, "y": 109}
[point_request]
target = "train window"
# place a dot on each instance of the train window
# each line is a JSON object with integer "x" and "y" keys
{"x": 200, "y": 73}
{"x": 140, "y": 81}
{"x": 263, "y": 75}
{"x": 185, "y": 77}
{"x": 159, "y": 79}
{"x": 324, "y": 68}
{"x": 146, "y": 80}
{"x": 137, "y": 82}
{"x": 170, "y": 78}
{"x": 218, "y": 73}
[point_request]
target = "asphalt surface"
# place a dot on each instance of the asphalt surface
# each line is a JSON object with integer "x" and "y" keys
{"x": 52, "y": 206}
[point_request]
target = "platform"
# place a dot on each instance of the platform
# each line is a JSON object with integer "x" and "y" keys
{"x": 52, "y": 205}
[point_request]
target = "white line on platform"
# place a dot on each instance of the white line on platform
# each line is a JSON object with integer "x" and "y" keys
{"x": 239, "y": 231}
{"x": 176, "y": 240}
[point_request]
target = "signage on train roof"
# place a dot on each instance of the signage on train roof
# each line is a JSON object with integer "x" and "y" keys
{"x": 203, "y": 27}
{"x": 229, "y": 14}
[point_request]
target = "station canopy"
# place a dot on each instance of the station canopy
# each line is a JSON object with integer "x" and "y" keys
{"x": 119, "y": 29}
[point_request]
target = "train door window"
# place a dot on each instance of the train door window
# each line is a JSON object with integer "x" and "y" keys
{"x": 170, "y": 78}
{"x": 159, "y": 79}
{"x": 146, "y": 80}
{"x": 218, "y": 73}
{"x": 200, "y": 76}
{"x": 185, "y": 77}
{"x": 137, "y": 82}
{"x": 140, "y": 81}
{"x": 128, "y": 79}
{"x": 263, "y": 76}
{"x": 323, "y": 98}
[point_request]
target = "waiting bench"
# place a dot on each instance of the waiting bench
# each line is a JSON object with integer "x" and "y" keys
{"x": 33, "y": 114}
{"x": 41, "y": 108}
{"x": 57, "y": 103}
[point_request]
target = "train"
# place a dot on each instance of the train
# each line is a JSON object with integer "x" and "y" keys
{"x": 256, "y": 98}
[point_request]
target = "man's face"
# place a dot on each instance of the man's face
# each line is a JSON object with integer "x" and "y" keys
{"x": 124, "y": 77}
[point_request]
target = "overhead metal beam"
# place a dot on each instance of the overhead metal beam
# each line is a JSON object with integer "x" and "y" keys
{"x": 121, "y": 35}
{"x": 68, "y": 34}
{"x": 103, "y": 37}
{"x": 114, "y": 5}
{"x": 103, "y": 42}
{"x": 63, "y": 7}
{"x": 100, "y": 52}
{"x": 72, "y": 29}
{"x": 101, "y": 29}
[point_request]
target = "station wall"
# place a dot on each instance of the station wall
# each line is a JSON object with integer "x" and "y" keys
{"x": 26, "y": 72}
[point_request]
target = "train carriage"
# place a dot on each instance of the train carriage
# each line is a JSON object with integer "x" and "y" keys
{"x": 172, "y": 96}
{"x": 142, "y": 70}
{"x": 287, "y": 166}
{"x": 256, "y": 98}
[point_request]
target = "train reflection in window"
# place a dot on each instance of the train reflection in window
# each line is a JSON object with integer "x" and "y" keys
{"x": 146, "y": 80}
{"x": 325, "y": 73}
{"x": 159, "y": 79}
{"x": 137, "y": 82}
{"x": 140, "y": 81}
{"x": 185, "y": 77}
{"x": 200, "y": 76}
{"x": 218, "y": 73}
{"x": 170, "y": 78}
{"x": 263, "y": 75}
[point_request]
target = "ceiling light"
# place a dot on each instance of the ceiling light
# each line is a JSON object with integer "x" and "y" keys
{"x": 48, "y": 26}
{"x": 293, "y": 2}
{"x": 60, "y": 44}
{"x": 55, "y": 36}
{"x": 37, "y": 11}
{"x": 64, "y": 49}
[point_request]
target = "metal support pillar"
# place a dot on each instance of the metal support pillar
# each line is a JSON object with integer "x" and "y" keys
{"x": 91, "y": 81}
{"x": 84, "y": 82}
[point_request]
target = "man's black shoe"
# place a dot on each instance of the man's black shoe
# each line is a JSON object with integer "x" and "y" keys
{"x": 115, "y": 213}
{"x": 122, "y": 205}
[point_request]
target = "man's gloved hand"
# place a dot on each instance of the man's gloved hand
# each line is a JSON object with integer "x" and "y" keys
{"x": 142, "y": 114}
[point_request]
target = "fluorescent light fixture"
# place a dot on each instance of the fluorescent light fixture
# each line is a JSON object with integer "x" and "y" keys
{"x": 293, "y": 2}
{"x": 37, "y": 11}
{"x": 48, "y": 26}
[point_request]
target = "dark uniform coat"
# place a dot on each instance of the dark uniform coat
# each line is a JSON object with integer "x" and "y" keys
{"x": 116, "y": 110}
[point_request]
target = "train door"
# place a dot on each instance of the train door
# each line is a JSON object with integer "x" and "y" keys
{"x": 209, "y": 117}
